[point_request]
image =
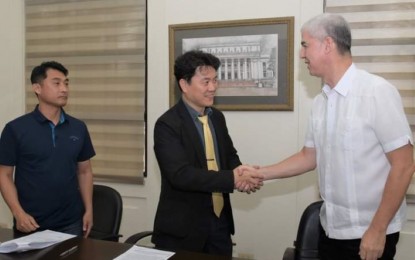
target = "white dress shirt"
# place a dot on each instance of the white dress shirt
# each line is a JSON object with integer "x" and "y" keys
{"x": 352, "y": 127}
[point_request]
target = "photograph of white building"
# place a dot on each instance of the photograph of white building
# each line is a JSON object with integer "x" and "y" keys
{"x": 248, "y": 63}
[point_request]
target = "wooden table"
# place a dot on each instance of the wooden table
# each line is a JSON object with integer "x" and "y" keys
{"x": 90, "y": 249}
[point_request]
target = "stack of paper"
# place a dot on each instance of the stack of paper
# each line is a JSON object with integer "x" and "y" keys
{"x": 36, "y": 240}
{"x": 143, "y": 253}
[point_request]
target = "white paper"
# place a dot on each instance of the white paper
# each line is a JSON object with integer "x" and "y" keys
{"x": 36, "y": 240}
{"x": 143, "y": 253}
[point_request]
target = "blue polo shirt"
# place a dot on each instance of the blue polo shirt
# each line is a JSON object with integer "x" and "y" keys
{"x": 45, "y": 158}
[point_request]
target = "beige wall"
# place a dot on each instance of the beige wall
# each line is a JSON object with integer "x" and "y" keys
{"x": 11, "y": 70}
{"x": 266, "y": 222}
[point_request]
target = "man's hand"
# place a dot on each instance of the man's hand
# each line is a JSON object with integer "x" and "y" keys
{"x": 87, "y": 221}
{"x": 372, "y": 244}
{"x": 25, "y": 223}
{"x": 247, "y": 178}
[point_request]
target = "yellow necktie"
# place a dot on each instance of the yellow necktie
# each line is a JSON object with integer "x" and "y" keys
{"x": 217, "y": 197}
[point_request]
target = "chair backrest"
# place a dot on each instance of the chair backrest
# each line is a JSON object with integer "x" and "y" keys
{"x": 306, "y": 244}
{"x": 107, "y": 206}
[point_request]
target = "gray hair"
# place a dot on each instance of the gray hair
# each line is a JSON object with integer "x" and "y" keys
{"x": 333, "y": 26}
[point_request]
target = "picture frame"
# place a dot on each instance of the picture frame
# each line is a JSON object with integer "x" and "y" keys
{"x": 256, "y": 71}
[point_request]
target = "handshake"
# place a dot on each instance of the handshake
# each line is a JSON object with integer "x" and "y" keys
{"x": 247, "y": 178}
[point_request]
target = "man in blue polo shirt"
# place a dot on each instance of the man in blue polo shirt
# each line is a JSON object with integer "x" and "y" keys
{"x": 49, "y": 153}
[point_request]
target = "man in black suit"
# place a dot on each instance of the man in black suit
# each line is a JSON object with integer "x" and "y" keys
{"x": 185, "y": 219}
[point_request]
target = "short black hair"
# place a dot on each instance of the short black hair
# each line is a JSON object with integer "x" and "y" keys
{"x": 186, "y": 65}
{"x": 39, "y": 72}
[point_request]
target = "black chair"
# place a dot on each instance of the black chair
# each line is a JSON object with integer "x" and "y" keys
{"x": 107, "y": 206}
{"x": 134, "y": 239}
{"x": 306, "y": 243}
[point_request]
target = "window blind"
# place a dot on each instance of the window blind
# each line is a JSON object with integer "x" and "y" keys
{"x": 384, "y": 43}
{"x": 102, "y": 44}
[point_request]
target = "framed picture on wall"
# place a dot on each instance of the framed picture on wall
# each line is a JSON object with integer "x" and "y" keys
{"x": 256, "y": 55}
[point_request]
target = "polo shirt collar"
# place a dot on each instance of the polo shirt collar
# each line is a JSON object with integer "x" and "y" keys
{"x": 41, "y": 118}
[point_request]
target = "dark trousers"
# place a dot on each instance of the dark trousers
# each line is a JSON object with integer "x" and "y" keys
{"x": 219, "y": 241}
{"x": 73, "y": 229}
{"x": 334, "y": 249}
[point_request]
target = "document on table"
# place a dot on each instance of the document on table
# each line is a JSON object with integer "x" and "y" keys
{"x": 36, "y": 240}
{"x": 143, "y": 253}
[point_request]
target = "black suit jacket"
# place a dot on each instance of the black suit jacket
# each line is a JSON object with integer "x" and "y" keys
{"x": 185, "y": 205}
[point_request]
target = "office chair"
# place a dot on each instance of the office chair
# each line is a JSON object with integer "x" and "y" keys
{"x": 134, "y": 239}
{"x": 107, "y": 206}
{"x": 306, "y": 243}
